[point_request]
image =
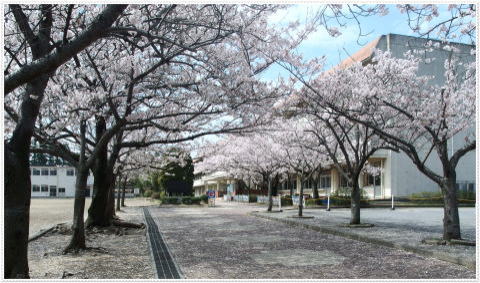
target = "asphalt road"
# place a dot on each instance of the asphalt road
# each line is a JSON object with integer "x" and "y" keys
{"x": 224, "y": 242}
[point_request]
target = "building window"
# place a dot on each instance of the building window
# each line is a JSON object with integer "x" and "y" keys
{"x": 35, "y": 172}
{"x": 70, "y": 172}
{"x": 44, "y": 171}
{"x": 344, "y": 182}
{"x": 44, "y": 188}
{"x": 61, "y": 190}
{"x": 325, "y": 181}
{"x": 370, "y": 180}
{"x": 53, "y": 172}
{"x": 35, "y": 188}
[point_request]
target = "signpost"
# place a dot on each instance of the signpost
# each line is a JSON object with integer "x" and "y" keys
{"x": 211, "y": 198}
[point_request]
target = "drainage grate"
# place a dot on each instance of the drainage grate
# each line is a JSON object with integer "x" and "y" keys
{"x": 164, "y": 263}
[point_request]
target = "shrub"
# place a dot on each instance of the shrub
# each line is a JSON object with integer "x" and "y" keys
{"x": 155, "y": 195}
{"x": 465, "y": 195}
{"x": 252, "y": 198}
{"x": 286, "y": 200}
{"x": 204, "y": 198}
{"x": 147, "y": 193}
{"x": 425, "y": 195}
{"x": 313, "y": 201}
{"x": 196, "y": 200}
{"x": 171, "y": 200}
{"x": 186, "y": 200}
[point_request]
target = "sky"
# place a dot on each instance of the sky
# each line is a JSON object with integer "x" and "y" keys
{"x": 338, "y": 48}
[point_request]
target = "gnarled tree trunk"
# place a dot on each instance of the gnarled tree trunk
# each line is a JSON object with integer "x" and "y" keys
{"x": 18, "y": 183}
{"x": 97, "y": 213}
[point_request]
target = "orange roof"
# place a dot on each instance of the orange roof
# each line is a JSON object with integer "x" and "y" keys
{"x": 359, "y": 56}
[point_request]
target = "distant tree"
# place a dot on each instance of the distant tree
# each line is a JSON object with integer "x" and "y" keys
{"x": 176, "y": 178}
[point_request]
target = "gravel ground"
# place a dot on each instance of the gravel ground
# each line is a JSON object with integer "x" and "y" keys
{"x": 224, "y": 242}
{"x": 124, "y": 253}
{"x": 403, "y": 225}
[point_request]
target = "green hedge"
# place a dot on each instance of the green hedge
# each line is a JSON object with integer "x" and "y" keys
{"x": 204, "y": 198}
{"x": 438, "y": 200}
{"x": 286, "y": 200}
{"x": 182, "y": 200}
{"x": 334, "y": 200}
{"x": 147, "y": 193}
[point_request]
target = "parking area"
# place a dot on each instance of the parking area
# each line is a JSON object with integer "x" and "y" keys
{"x": 225, "y": 242}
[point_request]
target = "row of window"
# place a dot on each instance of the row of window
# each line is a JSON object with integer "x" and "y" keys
{"x": 49, "y": 172}
{"x": 44, "y": 188}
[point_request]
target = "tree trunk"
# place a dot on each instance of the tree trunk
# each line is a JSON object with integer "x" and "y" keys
{"x": 78, "y": 237}
{"x": 451, "y": 220}
{"x": 300, "y": 198}
{"x": 315, "y": 188}
{"x": 17, "y": 214}
{"x": 110, "y": 209}
{"x": 123, "y": 196}
{"x": 270, "y": 198}
{"x": 96, "y": 211}
{"x": 17, "y": 190}
{"x": 355, "y": 202}
{"x": 118, "y": 195}
{"x": 290, "y": 185}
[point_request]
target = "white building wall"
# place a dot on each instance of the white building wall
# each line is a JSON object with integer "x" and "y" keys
{"x": 61, "y": 180}
{"x": 407, "y": 179}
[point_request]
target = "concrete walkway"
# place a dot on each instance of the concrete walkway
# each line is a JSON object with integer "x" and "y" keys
{"x": 225, "y": 242}
{"x": 403, "y": 228}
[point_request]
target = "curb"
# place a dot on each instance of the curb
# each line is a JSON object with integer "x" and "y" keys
{"x": 438, "y": 255}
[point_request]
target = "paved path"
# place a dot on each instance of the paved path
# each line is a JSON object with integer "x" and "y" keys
{"x": 224, "y": 242}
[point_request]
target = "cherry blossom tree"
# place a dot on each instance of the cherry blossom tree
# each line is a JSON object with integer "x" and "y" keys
{"x": 246, "y": 157}
{"x": 29, "y": 61}
{"x": 299, "y": 151}
{"x": 457, "y": 23}
{"x": 408, "y": 111}
{"x": 162, "y": 95}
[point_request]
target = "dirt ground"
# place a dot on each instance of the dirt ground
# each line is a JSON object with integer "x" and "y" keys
{"x": 119, "y": 253}
{"x": 45, "y": 212}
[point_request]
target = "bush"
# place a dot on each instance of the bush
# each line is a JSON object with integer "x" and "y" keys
{"x": 286, "y": 200}
{"x": 252, "y": 198}
{"x": 155, "y": 195}
{"x": 172, "y": 200}
{"x": 147, "y": 193}
{"x": 465, "y": 195}
{"x": 196, "y": 200}
{"x": 313, "y": 201}
{"x": 425, "y": 195}
{"x": 186, "y": 200}
{"x": 204, "y": 198}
